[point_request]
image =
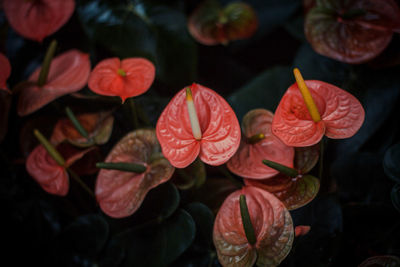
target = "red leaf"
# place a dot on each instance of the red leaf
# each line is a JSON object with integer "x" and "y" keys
{"x": 5, "y": 71}
{"x": 36, "y": 19}
{"x": 335, "y": 30}
{"x": 120, "y": 193}
{"x": 341, "y": 115}
{"x": 68, "y": 73}
{"x": 272, "y": 225}
{"x": 219, "y": 126}
{"x": 247, "y": 161}
{"x": 137, "y": 76}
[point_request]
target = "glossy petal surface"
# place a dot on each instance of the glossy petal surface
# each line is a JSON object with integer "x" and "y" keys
{"x": 120, "y": 193}
{"x": 272, "y": 225}
{"x": 341, "y": 115}
{"x": 335, "y": 33}
{"x": 52, "y": 177}
{"x": 210, "y": 24}
{"x": 98, "y": 125}
{"x": 5, "y": 71}
{"x": 247, "y": 161}
{"x": 138, "y": 77}
{"x": 39, "y": 18}
{"x": 68, "y": 73}
{"x": 294, "y": 193}
{"x": 219, "y": 126}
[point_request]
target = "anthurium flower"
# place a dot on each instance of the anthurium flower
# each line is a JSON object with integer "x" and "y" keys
{"x": 301, "y": 230}
{"x": 99, "y": 126}
{"x": 211, "y": 24}
{"x": 5, "y": 71}
{"x": 68, "y": 73}
{"x": 353, "y": 31}
{"x": 272, "y": 224}
{"x": 336, "y": 114}
{"x": 121, "y": 193}
{"x": 198, "y": 122}
{"x": 49, "y": 174}
{"x": 124, "y": 78}
{"x": 259, "y": 143}
{"x": 36, "y": 19}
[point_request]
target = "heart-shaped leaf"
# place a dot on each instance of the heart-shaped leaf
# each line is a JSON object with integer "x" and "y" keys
{"x": 395, "y": 195}
{"x": 383, "y": 261}
{"x": 391, "y": 163}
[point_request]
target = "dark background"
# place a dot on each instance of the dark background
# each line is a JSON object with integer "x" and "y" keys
{"x": 353, "y": 217}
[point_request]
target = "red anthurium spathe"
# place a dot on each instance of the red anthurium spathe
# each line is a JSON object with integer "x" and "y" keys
{"x": 215, "y": 138}
{"x": 121, "y": 193}
{"x": 341, "y": 115}
{"x": 52, "y": 177}
{"x": 272, "y": 224}
{"x": 247, "y": 161}
{"x": 124, "y": 78}
{"x": 68, "y": 73}
{"x": 36, "y": 19}
{"x": 5, "y": 71}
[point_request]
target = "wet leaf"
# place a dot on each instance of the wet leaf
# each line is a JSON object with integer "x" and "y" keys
{"x": 272, "y": 225}
{"x": 391, "y": 163}
{"x": 121, "y": 193}
{"x": 159, "y": 245}
{"x": 247, "y": 161}
{"x": 218, "y": 125}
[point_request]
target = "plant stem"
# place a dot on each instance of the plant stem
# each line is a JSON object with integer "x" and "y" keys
{"x": 321, "y": 159}
{"x": 226, "y": 173}
{"x": 132, "y": 106}
{"x": 80, "y": 182}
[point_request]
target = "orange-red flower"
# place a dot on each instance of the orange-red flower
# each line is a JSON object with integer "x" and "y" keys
{"x": 218, "y": 128}
{"x": 247, "y": 161}
{"x": 127, "y": 78}
{"x": 341, "y": 115}
{"x": 272, "y": 224}
{"x": 36, "y": 19}
{"x": 5, "y": 71}
{"x": 68, "y": 73}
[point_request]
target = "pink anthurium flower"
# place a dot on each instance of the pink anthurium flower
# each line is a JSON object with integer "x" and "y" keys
{"x": 36, "y": 19}
{"x": 124, "y": 78}
{"x": 259, "y": 143}
{"x": 324, "y": 109}
{"x": 49, "y": 174}
{"x": 5, "y": 71}
{"x": 120, "y": 193}
{"x": 272, "y": 224}
{"x": 68, "y": 73}
{"x": 198, "y": 122}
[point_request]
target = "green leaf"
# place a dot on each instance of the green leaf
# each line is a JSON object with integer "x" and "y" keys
{"x": 391, "y": 163}
{"x": 144, "y": 29}
{"x": 395, "y": 195}
{"x": 265, "y": 91}
{"x": 204, "y": 220}
{"x": 159, "y": 245}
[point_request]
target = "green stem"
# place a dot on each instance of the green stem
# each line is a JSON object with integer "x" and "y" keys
{"x": 122, "y": 166}
{"x": 321, "y": 159}
{"x": 44, "y": 72}
{"x": 76, "y": 123}
{"x": 281, "y": 168}
{"x": 80, "y": 182}
{"x": 247, "y": 225}
{"x": 132, "y": 106}
{"x": 49, "y": 147}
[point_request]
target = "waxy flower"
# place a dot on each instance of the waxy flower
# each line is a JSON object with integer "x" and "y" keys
{"x": 68, "y": 73}
{"x": 5, "y": 71}
{"x": 353, "y": 31}
{"x": 272, "y": 228}
{"x": 50, "y": 174}
{"x": 310, "y": 109}
{"x": 198, "y": 122}
{"x": 120, "y": 193}
{"x": 127, "y": 78}
{"x": 210, "y": 24}
{"x": 259, "y": 143}
{"x": 36, "y": 19}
